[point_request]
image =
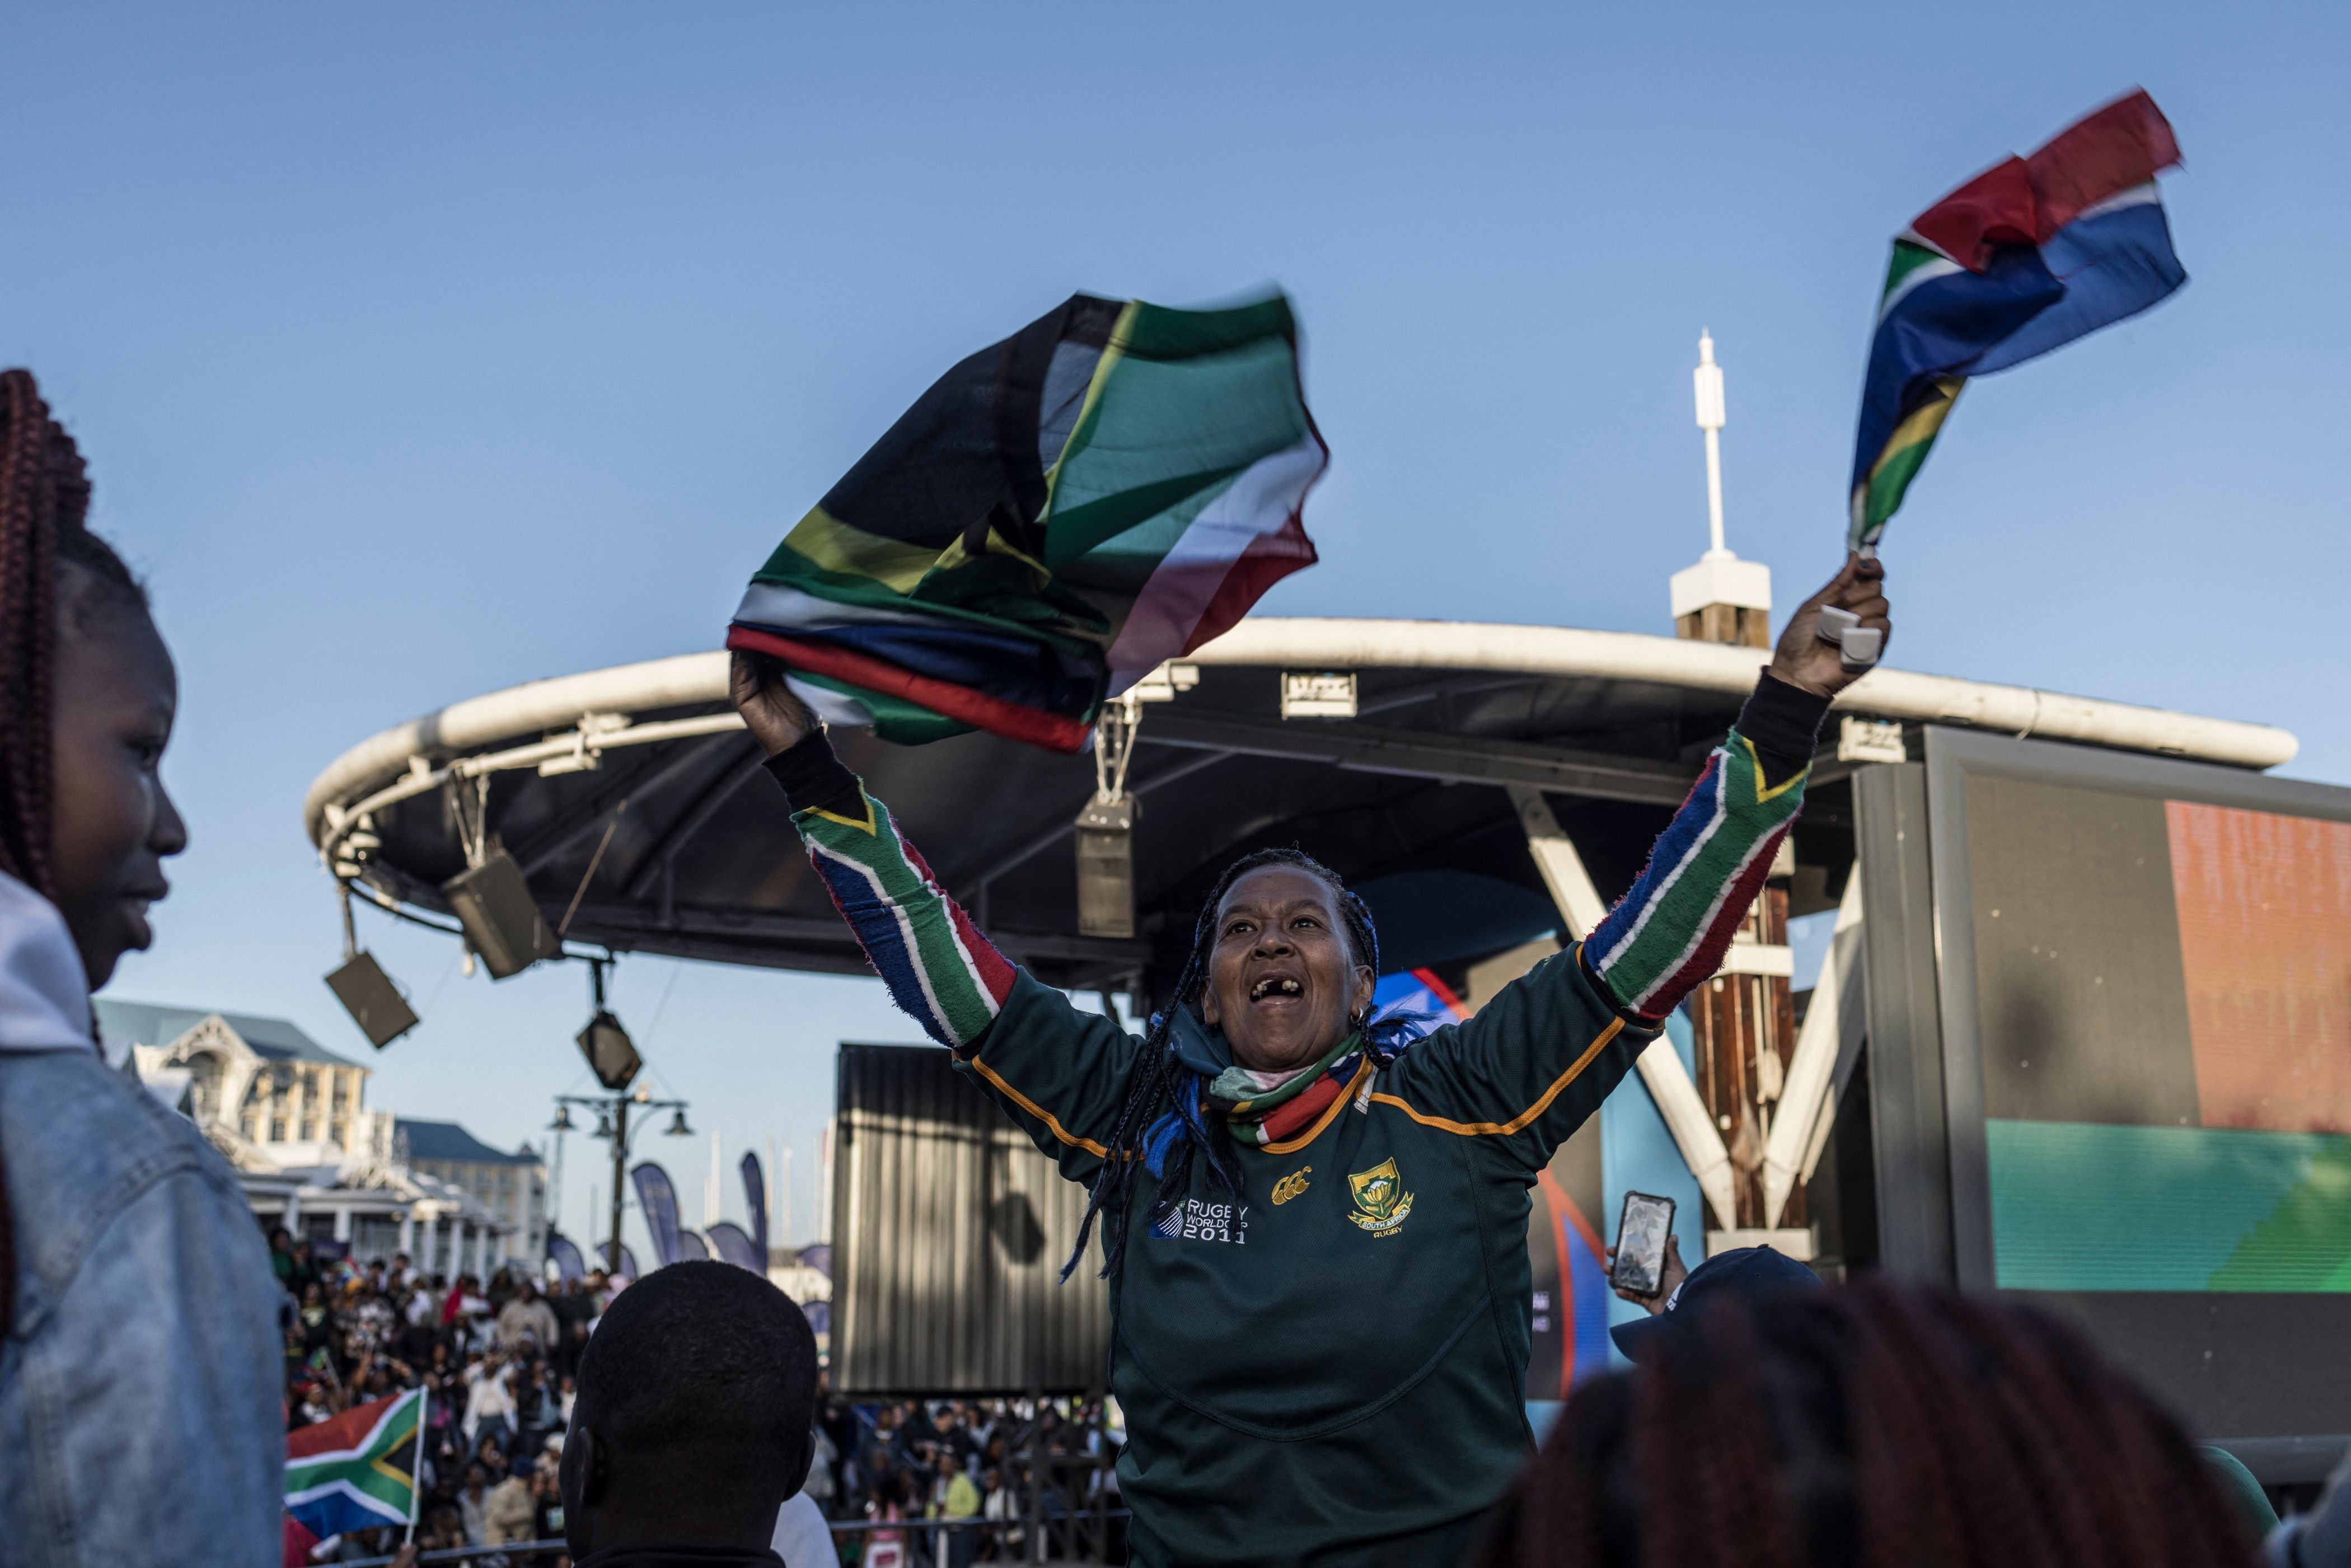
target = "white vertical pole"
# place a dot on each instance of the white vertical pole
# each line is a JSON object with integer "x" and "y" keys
{"x": 710, "y": 1189}
{"x": 781, "y": 1164}
{"x": 1708, "y": 378}
{"x": 824, "y": 1188}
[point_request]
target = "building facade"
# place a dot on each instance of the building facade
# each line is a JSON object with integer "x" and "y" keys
{"x": 291, "y": 1117}
{"x": 512, "y": 1187}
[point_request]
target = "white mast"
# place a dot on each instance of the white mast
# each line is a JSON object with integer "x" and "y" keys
{"x": 710, "y": 1189}
{"x": 1708, "y": 376}
{"x": 1722, "y": 599}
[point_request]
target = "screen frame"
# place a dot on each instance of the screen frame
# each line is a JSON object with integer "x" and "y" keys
{"x": 1952, "y": 757}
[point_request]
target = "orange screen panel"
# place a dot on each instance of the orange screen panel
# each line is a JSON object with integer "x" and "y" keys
{"x": 2265, "y": 904}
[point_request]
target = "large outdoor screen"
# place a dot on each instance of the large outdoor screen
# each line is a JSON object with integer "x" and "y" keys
{"x": 2145, "y": 985}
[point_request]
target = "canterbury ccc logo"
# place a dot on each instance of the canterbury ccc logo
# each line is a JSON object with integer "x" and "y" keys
{"x": 1291, "y": 1185}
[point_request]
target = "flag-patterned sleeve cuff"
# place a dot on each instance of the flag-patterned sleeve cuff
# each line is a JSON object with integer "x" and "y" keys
{"x": 1672, "y": 929}
{"x": 939, "y": 968}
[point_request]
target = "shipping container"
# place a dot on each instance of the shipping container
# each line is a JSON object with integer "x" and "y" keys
{"x": 950, "y": 1233}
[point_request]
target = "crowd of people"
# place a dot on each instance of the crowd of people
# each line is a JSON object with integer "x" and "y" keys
{"x": 988, "y": 1473}
{"x": 498, "y": 1360}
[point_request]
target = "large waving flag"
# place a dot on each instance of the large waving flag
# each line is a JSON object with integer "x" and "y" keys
{"x": 357, "y": 1470}
{"x": 2024, "y": 259}
{"x": 1061, "y": 513}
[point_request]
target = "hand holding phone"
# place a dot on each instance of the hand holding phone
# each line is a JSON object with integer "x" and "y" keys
{"x": 1642, "y": 1228}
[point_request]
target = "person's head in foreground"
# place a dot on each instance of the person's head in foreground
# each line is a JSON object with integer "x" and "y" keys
{"x": 1868, "y": 1426}
{"x": 691, "y": 1427}
{"x": 87, "y": 696}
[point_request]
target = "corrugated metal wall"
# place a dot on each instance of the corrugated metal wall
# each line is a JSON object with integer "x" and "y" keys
{"x": 949, "y": 1229}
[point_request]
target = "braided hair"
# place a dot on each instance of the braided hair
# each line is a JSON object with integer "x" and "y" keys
{"x": 1874, "y": 1426}
{"x": 44, "y": 511}
{"x": 1163, "y": 1125}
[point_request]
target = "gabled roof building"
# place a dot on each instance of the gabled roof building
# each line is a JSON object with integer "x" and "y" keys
{"x": 290, "y": 1116}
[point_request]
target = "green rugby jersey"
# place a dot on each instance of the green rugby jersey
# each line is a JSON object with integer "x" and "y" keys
{"x": 1328, "y": 1369}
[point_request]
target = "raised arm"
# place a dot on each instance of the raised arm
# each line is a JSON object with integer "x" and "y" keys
{"x": 1542, "y": 1056}
{"x": 1059, "y": 1073}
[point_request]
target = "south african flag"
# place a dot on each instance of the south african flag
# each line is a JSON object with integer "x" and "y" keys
{"x": 357, "y": 1470}
{"x": 2025, "y": 258}
{"x": 1106, "y": 489}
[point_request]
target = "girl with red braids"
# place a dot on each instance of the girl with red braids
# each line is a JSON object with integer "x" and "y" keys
{"x": 141, "y": 1412}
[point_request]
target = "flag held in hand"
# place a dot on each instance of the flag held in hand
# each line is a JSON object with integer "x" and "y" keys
{"x": 356, "y": 1470}
{"x": 2025, "y": 258}
{"x": 1059, "y": 514}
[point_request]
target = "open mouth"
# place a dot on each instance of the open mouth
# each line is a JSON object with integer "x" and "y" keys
{"x": 1276, "y": 988}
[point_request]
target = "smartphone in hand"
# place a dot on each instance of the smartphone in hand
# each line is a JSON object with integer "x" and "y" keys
{"x": 1641, "y": 1231}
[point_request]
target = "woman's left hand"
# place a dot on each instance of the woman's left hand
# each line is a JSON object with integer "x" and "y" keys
{"x": 1801, "y": 659}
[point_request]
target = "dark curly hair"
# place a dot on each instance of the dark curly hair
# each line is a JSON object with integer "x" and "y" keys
{"x": 1163, "y": 1088}
{"x": 1873, "y": 1426}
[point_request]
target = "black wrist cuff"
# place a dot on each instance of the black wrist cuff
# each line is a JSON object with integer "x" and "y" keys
{"x": 813, "y": 778}
{"x": 1782, "y": 723}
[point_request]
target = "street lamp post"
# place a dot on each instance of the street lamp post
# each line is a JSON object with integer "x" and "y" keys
{"x": 613, "y": 1123}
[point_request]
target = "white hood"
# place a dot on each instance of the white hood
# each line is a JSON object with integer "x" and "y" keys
{"x": 44, "y": 996}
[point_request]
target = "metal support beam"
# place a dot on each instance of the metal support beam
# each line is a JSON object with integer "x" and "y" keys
{"x": 1685, "y": 1113}
{"x": 541, "y": 848}
{"x": 697, "y": 816}
{"x": 1826, "y": 1047}
{"x": 1424, "y": 754}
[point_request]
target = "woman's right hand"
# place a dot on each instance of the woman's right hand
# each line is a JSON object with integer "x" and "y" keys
{"x": 778, "y": 719}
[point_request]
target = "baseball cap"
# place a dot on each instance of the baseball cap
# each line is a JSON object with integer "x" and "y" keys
{"x": 1742, "y": 1273}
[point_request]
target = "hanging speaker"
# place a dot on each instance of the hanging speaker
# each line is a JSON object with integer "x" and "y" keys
{"x": 502, "y": 921}
{"x": 1107, "y": 868}
{"x": 374, "y": 1003}
{"x": 612, "y": 1054}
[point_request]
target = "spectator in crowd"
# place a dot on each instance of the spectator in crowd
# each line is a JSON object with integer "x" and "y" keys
{"x": 525, "y": 1323}
{"x": 1869, "y": 1426}
{"x": 489, "y": 1399}
{"x": 691, "y": 1424}
{"x": 474, "y": 1505}
{"x": 140, "y": 1385}
{"x": 512, "y": 1508}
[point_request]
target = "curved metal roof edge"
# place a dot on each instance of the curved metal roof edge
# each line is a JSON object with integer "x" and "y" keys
{"x": 1304, "y": 641}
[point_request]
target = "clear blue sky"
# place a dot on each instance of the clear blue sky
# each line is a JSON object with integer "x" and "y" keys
{"x": 423, "y": 349}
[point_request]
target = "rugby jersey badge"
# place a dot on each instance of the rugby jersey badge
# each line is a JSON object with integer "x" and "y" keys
{"x": 1381, "y": 1203}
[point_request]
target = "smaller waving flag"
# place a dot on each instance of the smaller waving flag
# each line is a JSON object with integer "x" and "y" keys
{"x": 2025, "y": 258}
{"x": 1059, "y": 514}
{"x": 356, "y": 1470}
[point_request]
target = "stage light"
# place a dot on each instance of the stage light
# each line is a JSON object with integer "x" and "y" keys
{"x": 374, "y": 1003}
{"x": 611, "y": 1054}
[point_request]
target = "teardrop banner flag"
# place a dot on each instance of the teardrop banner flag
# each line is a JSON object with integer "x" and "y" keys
{"x": 658, "y": 1198}
{"x": 1059, "y": 514}
{"x": 755, "y": 1204}
{"x": 732, "y": 1243}
{"x": 2025, "y": 258}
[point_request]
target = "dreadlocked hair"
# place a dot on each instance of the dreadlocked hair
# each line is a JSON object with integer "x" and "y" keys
{"x": 44, "y": 508}
{"x": 1868, "y": 1426}
{"x": 1164, "y": 1126}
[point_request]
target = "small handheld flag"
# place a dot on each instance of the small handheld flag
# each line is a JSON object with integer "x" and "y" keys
{"x": 357, "y": 1470}
{"x": 1059, "y": 514}
{"x": 2025, "y": 258}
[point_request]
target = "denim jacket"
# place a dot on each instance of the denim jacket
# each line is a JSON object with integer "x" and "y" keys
{"x": 142, "y": 1414}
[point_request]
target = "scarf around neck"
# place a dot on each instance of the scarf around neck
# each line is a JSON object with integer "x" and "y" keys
{"x": 1258, "y": 1108}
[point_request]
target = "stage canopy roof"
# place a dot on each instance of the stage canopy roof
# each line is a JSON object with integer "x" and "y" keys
{"x": 632, "y": 798}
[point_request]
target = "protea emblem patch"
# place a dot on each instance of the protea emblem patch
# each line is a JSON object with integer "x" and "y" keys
{"x": 1381, "y": 1203}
